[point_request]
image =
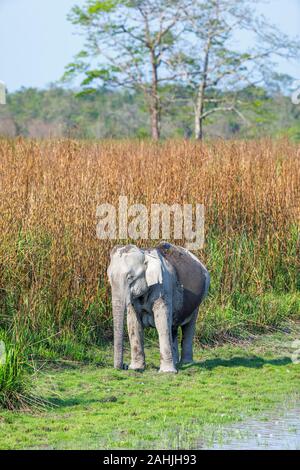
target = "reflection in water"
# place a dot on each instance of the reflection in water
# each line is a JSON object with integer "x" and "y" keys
{"x": 277, "y": 431}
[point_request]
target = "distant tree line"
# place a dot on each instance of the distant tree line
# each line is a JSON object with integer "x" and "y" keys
{"x": 58, "y": 112}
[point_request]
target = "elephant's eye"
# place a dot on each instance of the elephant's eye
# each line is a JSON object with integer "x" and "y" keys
{"x": 130, "y": 277}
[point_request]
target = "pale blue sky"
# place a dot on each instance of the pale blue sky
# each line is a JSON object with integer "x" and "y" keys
{"x": 37, "y": 41}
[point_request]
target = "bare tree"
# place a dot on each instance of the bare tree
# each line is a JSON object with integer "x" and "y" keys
{"x": 212, "y": 63}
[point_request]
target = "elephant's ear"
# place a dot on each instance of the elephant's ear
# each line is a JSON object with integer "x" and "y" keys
{"x": 153, "y": 269}
{"x": 115, "y": 249}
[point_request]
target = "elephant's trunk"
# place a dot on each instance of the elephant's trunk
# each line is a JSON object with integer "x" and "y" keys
{"x": 118, "y": 316}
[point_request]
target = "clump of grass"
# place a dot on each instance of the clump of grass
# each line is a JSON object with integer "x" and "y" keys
{"x": 14, "y": 376}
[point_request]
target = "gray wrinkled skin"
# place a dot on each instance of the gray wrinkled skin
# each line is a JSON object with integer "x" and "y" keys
{"x": 159, "y": 287}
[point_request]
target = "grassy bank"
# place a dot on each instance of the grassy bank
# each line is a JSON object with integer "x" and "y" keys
{"x": 98, "y": 407}
{"x": 53, "y": 284}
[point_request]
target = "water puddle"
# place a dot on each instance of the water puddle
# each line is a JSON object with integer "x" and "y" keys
{"x": 274, "y": 431}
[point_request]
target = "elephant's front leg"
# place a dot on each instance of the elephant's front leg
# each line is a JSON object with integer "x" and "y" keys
{"x": 162, "y": 319}
{"x": 136, "y": 339}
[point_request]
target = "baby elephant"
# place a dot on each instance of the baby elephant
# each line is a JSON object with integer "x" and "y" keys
{"x": 160, "y": 287}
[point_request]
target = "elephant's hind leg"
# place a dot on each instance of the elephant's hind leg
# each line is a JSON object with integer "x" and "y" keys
{"x": 188, "y": 332}
{"x": 136, "y": 339}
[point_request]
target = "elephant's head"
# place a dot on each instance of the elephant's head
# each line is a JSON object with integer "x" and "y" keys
{"x": 131, "y": 272}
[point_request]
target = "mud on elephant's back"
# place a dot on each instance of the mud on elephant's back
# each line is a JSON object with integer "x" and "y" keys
{"x": 191, "y": 273}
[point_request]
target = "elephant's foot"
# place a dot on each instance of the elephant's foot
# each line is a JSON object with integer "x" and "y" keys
{"x": 137, "y": 366}
{"x": 168, "y": 368}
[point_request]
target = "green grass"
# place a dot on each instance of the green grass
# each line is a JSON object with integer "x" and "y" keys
{"x": 14, "y": 377}
{"x": 99, "y": 407}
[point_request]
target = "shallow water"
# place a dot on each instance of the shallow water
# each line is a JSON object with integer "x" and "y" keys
{"x": 274, "y": 431}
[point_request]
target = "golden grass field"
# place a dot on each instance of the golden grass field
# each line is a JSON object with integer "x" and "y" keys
{"x": 52, "y": 265}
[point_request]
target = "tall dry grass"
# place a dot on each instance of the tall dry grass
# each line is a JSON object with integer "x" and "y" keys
{"x": 52, "y": 266}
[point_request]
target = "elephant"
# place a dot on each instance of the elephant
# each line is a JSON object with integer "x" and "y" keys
{"x": 158, "y": 287}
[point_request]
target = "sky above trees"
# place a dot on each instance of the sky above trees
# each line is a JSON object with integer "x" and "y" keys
{"x": 37, "y": 41}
